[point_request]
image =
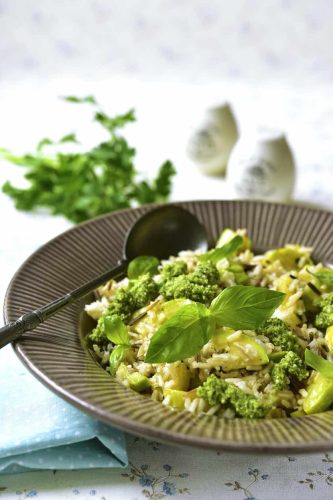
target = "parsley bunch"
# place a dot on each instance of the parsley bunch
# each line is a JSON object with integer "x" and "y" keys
{"x": 86, "y": 184}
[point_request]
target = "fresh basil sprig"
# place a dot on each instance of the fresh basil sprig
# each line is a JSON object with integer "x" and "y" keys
{"x": 144, "y": 264}
{"x": 191, "y": 327}
{"x": 318, "y": 363}
{"x": 217, "y": 254}
{"x": 116, "y": 330}
{"x": 245, "y": 307}
{"x": 182, "y": 336}
{"x": 117, "y": 333}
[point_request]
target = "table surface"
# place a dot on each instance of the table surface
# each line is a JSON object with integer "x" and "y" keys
{"x": 159, "y": 470}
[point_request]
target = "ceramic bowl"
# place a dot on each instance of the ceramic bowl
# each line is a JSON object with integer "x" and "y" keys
{"x": 56, "y": 355}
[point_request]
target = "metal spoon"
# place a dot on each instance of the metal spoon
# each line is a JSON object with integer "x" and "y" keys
{"x": 162, "y": 232}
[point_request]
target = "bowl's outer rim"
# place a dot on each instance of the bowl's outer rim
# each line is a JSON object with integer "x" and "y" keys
{"x": 137, "y": 428}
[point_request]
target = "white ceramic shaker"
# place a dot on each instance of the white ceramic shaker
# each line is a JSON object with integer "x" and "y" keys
{"x": 211, "y": 142}
{"x": 262, "y": 167}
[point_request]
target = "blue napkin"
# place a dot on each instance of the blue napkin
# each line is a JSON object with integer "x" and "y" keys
{"x": 39, "y": 430}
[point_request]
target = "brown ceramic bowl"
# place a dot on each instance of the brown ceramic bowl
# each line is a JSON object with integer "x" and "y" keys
{"x": 56, "y": 356}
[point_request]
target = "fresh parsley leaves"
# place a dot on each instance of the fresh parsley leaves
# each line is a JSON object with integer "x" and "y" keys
{"x": 81, "y": 185}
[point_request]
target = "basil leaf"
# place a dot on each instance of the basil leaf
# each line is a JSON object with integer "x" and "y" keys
{"x": 116, "y": 330}
{"x": 182, "y": 336}
{"x": 325, "y": 277}
{"x": 144, "y": 264}
{"x": 217, "y": 254}
{"x": 318, "y": 363}
{"x": 116, "y": 357}
{"x": 245, "y": 307}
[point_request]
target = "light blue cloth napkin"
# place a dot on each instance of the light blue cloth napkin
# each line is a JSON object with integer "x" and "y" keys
{"x": 39, "y": 430}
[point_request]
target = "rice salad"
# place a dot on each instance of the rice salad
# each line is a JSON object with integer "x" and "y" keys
{"x": 226, "y": 332}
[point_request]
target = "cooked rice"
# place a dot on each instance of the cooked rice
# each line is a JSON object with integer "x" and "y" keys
{"x": 253, "y": 378}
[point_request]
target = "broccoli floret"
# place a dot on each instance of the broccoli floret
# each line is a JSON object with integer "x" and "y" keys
{"x": 137, "y": 294}
{"x": 325, "y": 318}
{"x": 279, "y": 334}
{"x": 143, "y": 290}
{"x": 290, "y": 364}
{"x": 174, "y": 269}
{"x": 126, "y": 301}
{"x": 216, "y": 390}
{"x": 181, "y": 287}
{"x": 200, "y": 285}
{"x": 97, "y": 336}
{"x": 123, "y": 304}
{"x": 206, "y": 273}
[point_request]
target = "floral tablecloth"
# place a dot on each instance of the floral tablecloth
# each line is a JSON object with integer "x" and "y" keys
{"x": 159, "y": 471}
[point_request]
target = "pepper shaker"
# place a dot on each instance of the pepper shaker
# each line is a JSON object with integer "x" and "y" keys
{"x": 211, "y": 142}
{"x": 262, "y": 167}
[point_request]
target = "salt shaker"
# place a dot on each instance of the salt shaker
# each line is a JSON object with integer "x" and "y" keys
{"x": 262, "y": 167}
{"x": 210, "y": 144}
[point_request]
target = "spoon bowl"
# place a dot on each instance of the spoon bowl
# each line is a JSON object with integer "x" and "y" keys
{"x": 163, "y": 232}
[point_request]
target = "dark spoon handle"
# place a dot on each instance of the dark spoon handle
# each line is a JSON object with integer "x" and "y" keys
{"x": 31, "y": 320}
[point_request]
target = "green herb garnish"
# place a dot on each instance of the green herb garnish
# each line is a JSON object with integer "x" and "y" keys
{"x": 116, "y": 357}
{"x": 182, "y": 336}
{"x": 142, "y": 265}
{"x": 245, "y": 307}
{"x": 81, "y": 185}
{"x": 318, "y": 363}
{"x": 217, "y": 254}
{"x": 191, "y": 327}
{"x": 116, "y": 332}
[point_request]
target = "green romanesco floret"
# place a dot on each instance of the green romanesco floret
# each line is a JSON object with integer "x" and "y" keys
{"x": 279, "y": 334}
{"x": 325, "y": 317}
{"x": 128, "y": 299}
{"x": 175, "y": 268}
{"x": 290, "y": 365}
{"x": 216, "y": 390}
{"x": 200, "y": 285}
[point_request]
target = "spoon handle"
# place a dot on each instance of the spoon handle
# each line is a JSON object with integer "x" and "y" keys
{"x": 31, "y": 320}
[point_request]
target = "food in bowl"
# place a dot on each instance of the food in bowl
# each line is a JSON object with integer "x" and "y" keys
{"x": 226, "y": 332}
